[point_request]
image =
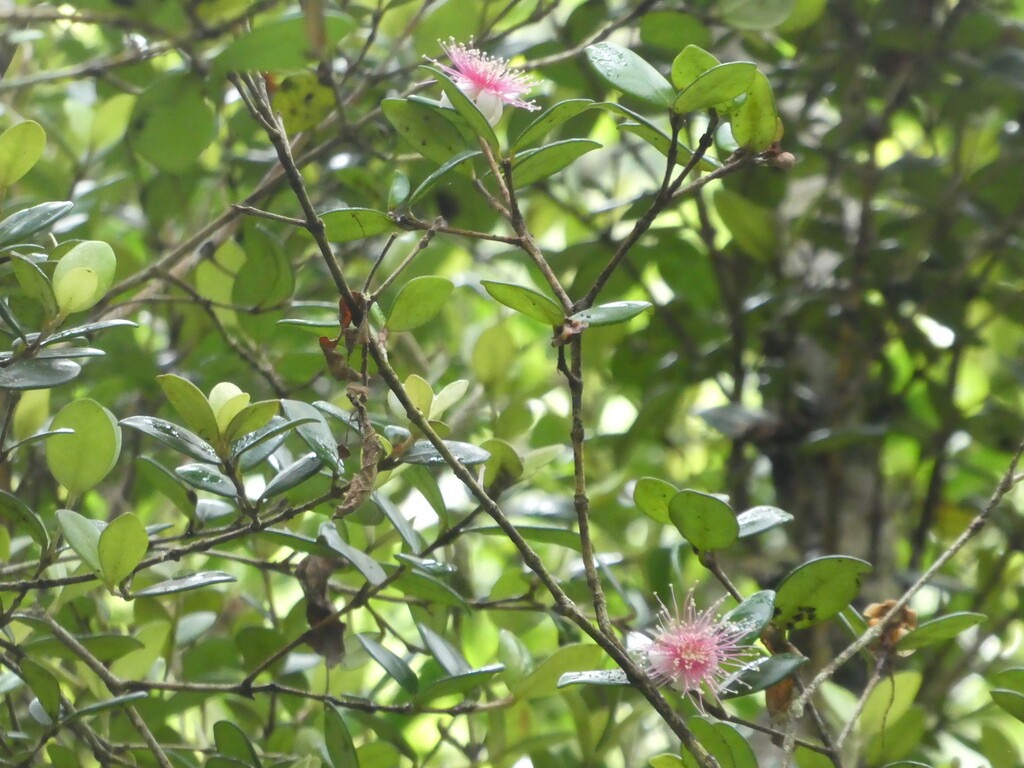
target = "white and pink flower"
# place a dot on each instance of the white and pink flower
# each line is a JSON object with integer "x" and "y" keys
{"x": 486, "y": 80}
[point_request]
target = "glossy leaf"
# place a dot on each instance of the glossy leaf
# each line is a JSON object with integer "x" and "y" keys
{"x": 279, "y": 45}
{"x": 690, "y": 64}
{"x": 315, "y": 432}
{"x": 122, "y": 545}
{"x": 91, "y": 264}
{"x": 818, "y": 590}
{"x": 418, "y": 302}
{"x": 184, "y": 583}
{"x": 603, "y": 677}
{"x": 26, "y": 222}
{"x": 760, "y": 519}
{"x": 35, "y": 284}
{"x": 346, "y": 224}
{"x": 115, "y": 702}
{"x": 753, "y": 614}
{"x": 172, "y": 435}
{"x": 755, "y": 122}
{"x": 293, "y": 475}
{"x": 392, "y": 664}
{"x": 81, "y": 460}
{"x": 940, "y": 629}
{"x": 84, "y": 330}
{"x": 550, "y": 119}
{"x": 21, "y": 146}
{"x": 422, "y": 452}
{"x": 705, "y": 521}
{"x": 252, "y": 418}
{"x": 458, "y": 684}
{"x": 206, "y": 477}
{"x": 718, "y": 85}
{"x": 34, "y": 373}
{"x": 425, "y": 129}
{"x": 362, "y": 562}
{"x": 612, "y": 313}
{"x": 652, "y": 497}
{"x": 534, "y": 165}
{"x": 630, "y": 74}
{"x": 527, "y": 301}
{"x": 21, "y": 518}
{"x": 760, "y": 674}
{"x": 724, "y": 742}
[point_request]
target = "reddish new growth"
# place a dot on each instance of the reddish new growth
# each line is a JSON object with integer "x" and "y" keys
{"x": 487, "y": 80}
{"x": 695, "y": 652}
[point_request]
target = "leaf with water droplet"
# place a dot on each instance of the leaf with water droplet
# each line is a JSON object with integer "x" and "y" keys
{"x": 630, "y": 74}
{"x": 422, "y": 452}
{"x": 594, "y": 677}
{"x": 173, "y": 435}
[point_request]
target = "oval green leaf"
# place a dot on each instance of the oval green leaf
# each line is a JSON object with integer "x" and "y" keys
{"x": 630, "y": 74}
{"x": 760, "y": 674}
{"x": 604, "y": 677}
{"x": 81, "y": 460}
{"x": 279, "y": 45}
{"x": 37, "y": 373}
{"x": 418, "y": 302}
{"x": 191, "y": 404}
{"x": 690, "y": 64}
{"x": 706, "y": 521}
{"x": 21, "y": 146}
{"x": 718, "y": 85}
{"x": 753, "y": 614}
{"x": 34, "y": 283}
{"x": 755, "y": 123}
{"x": 760, "y": 519}
{"x": 429, "y": 132}
{"x": 611, "y": 313}
{"x": 422, "y": 452}
{"x": 122, "y": 545}
{"x": 538, "y": 164}
{"x": 172, "y": 122}
{"x": 177, "y": 437}
{"x": 1010, "y": 701}
{"x": 346, "y": 224}
{"x": 296, "y": 473}
{"x": 315, "y": 432}
{"x": 817, "y": 590}
{"x": 28, "y": 221}
{"x": 652, "y": 497}
{"x": 755, "y": 15}
{"x": 232, "y": 742}
{"x": 363, "y": 563}
{"x": 527, "y": 301}
{"x": 16, "y": 512}
{"x": 452, "y": 164}
{"x": 550, "y": 119}
{"x": 393, "y": 665}
{"x": 82, "y": 535}
{"x": 939, "y": 629}
{"x": 206, "y": 477}
{"x": 185, "y": 583}
{"x": 91, "y": 264}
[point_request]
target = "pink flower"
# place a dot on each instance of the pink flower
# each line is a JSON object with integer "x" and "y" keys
{"x": 486, "y": 80}
{"x": 695, "y": 652}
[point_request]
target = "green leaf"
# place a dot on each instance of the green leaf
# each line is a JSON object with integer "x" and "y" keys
{"x": 452, "y": 164}
{"x": 399, "y": 191}
{"x": 191, "y": 404}
{"x": 718, "y": 85}
{"x": 43, "y": 684}
{"x": 760, "y": 519}
{"x": 888, "y": 703}
{"x": 939, "y": 629}
{"x": 630, "y": 74}
{"x": 1012, "y": 701}
{"x": 296, "y": 473}
{"x": 447, "y": 655}
{"x": 755, "y": 123}
{"x": 303, "y": 101}
{"x": 429, "y": 132}
{"x": 28, "y": 221}
{"x": 652, "y": 497}
{"x": 170, "y": 434}
{"x": 341, "y": 752}
{"x": 172, "y": 123}
{"x": 38, "y": 373}
{"x": 537, "y": 534}
{"x": 122, "y": 545}
{"x": 250, "y": 419}
{"x": 86, "y": 273}
{"x": 34, "y": 283}
{"x": 543, "y": 681}
{"x": 206, "y": 477}
{"x": 753, "y": 227}
{"x": 18, "y": 514}
{"x": 527, "y": 301}
{"x": 279, "y": 45}
{"x": 611, "y": 313}
{"x": 690, "y": 64}
{"x": 534, "y": 165}
{"x": 468, "y": 110}
{"x": 83, "y": 536}
{"x": 706, "y": 521}
{"x": 232, "y": 742}
{"x": 667, "y": 761}
{"x": 755, "y": 15}
{"x": 458, "y": 684}
{"x": 392, "y": 664}
{"x": 107, "y": 704}
{"x": 760, "y": 674}
{"x": 418, "y": 302}
{"x": 817, "y": 590}
{"x": 753, "y": 614}
{"x": 81, "y": 460}
{"x": 422, "y": 452}
{"x": 430, "y": 589}
{"x": 184, "y": 583}
{"x": 724, "y": 742}
{"x": 550, "y": 119}
{"x": 346, "y": 224}
{"x": 602, "y": 677}
{"x": 363, "y": 563}
{"x": 87, "y": 328}
{"x": 315, "y": 432}
{"x": 21, "y": 146}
